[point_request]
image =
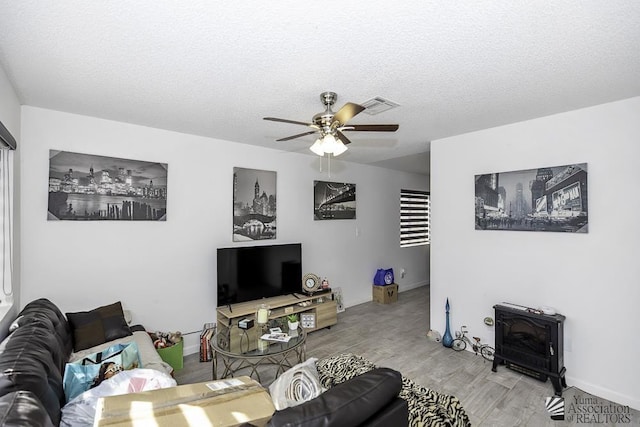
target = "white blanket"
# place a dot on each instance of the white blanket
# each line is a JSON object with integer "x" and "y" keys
{"x": 81, "y": 411}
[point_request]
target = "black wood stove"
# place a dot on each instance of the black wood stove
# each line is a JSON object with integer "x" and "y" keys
{"x": 530, "y": 343}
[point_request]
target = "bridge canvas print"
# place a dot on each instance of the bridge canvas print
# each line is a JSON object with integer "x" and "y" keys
{"x": 86, "y": 187}
{"x": 254, "y": 204}
{"x": 334, "y": 200}
{"x": 543, "y": 199}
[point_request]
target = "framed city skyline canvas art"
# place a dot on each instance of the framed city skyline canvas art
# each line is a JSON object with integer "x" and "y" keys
{"x": 254, "y": 204}
{"x": 551, "y": 198}
{"x": 334, "y": 200}
{"x": 99, "y": 188}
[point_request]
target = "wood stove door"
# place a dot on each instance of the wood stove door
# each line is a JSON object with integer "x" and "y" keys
{"x": 524, "y": 340}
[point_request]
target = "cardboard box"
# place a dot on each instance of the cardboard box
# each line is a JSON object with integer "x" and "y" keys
{"x": 222, "y": 403}
{"x": 385, "y": 294}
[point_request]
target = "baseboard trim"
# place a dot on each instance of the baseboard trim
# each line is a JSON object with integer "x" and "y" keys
{"x": 604, "y": 393}
{"x": 402, "y": 287}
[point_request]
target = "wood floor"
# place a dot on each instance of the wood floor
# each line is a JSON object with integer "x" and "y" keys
{"x": 394, "y": 335}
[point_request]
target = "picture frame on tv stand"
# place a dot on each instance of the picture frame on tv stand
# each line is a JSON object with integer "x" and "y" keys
{"x": 308, "y": 320}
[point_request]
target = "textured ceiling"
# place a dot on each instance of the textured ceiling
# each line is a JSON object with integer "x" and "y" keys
{"x": 216, "y": 68}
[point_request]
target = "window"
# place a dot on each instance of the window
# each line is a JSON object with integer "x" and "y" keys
{"x": 415, "y": 215}
{"x": 7, "y": 145}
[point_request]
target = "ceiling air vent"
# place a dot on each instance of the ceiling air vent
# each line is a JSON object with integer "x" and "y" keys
{"x": 377, "y": 105}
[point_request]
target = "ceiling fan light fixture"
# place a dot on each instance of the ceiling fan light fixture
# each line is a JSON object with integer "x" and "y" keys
{"x": 329, "y": 143}
{"x": 339, "y": 148}
{"x": 317, "y": 147}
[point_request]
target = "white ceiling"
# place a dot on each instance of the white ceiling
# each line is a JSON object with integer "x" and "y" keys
{"x": 215, "y": 68}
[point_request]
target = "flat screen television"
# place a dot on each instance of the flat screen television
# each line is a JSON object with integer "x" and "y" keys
{"x": 253, "y": 272}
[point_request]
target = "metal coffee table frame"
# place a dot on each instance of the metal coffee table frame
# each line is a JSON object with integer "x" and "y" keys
{"x": 277, "y": 354}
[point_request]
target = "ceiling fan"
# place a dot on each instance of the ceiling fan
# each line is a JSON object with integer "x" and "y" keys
{"x": 331, "y": 126}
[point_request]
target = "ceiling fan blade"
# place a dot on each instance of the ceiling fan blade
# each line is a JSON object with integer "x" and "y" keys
{"x": 342, "y": 137}
{"x": 296, "y": 136}
{"x": 373, "y": 128}
{"x": 275, "y": 119}
{"x": 347, "y": 112}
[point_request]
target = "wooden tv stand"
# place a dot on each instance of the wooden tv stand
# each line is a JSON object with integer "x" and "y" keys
{"x": 240, "y": 340}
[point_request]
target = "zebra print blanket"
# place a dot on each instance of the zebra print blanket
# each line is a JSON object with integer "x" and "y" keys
{"x": 426, "y": 407}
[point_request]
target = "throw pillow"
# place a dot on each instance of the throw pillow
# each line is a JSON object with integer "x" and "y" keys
{"x": 95, "y": 327}
{"x": 296, "y": 385}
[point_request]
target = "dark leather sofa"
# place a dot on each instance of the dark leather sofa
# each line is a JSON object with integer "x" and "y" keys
{"x": 33, "y": 358}
{"x": 370, "y": 399}
{"x": 32, "y": 361}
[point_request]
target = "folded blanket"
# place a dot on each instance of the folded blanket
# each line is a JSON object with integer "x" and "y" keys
{"x": 426, "y": 407}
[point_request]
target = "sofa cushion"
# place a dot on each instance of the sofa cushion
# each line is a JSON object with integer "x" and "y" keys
{"x": 22, "y": 408}
{"x": 41, "y": 308}
{"x": 95, "y": 327}
{"x": 350, "y": 403}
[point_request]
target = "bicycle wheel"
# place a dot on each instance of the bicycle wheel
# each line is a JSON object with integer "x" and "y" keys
{"x": 487, "y": 352}
{"x": 459, "y": 344}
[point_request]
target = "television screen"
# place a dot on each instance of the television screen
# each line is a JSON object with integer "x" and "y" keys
{"x": 255, "y": 272}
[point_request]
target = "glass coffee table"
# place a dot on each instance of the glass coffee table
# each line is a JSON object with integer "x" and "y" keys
{"x": 283, "y": 355}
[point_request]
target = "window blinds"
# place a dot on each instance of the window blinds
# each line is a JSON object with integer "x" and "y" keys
{"x": 414, "y": 218}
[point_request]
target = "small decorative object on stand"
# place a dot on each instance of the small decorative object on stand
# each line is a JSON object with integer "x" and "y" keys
{"x": 310, "y": 283}
{"x": 262, "y": 314}
{"x": 262, "y": 319}
{"x": 447, "y": 339}
{"x": 308, "y": 320}
{"x": 292, "y": 320}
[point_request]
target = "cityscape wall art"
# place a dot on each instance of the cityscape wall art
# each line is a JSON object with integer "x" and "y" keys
{"x": 254, "y": 204}
{"x": 99, "y": 188}
{"x": 544, "y": 199}
{"x": 334, "y": 200}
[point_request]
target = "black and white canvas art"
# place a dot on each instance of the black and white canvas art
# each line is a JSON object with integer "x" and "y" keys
{"x": 90, "y": 187}
{"x": 334, "y": 200}
{"x": 254, "y": 204}
{"x": 544, "y": 199}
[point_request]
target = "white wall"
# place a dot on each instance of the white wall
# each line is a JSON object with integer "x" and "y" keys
{"x": 10, "y": 118}
{"x": 593, "y": 279}
{"x": 165, "y": 272}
